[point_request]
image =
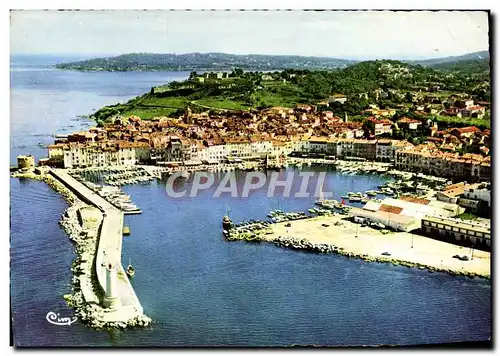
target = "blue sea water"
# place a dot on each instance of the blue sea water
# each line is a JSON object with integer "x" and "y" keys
{"x": 199, "y": 289}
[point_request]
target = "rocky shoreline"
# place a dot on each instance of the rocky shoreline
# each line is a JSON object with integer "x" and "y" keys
{"x": 303, "y": 244}
{"x": 89, "y": 314}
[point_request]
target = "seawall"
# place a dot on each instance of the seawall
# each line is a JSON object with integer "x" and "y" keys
{"x": 108, "y": 251}
{"x": 335, "y": 234}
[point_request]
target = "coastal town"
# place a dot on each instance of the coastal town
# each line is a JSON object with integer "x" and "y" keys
{"x": 197, "y": 139}
{"x": 261, "y": 178}
{"x": 438, "y": 190}
{"x": 278, "y": 137}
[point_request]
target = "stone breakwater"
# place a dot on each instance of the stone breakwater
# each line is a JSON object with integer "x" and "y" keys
{"x": 51, "y": 182}
{"x": 86, "y": 292}
{"x": 305, "y": 245}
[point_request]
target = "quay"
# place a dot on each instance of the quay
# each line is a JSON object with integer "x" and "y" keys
{"x": 336, "y": 234}
{"x": 120, "y": 303}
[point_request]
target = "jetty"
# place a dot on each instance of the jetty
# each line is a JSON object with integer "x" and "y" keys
{"x": 337, "y": 234}
{"x": 120, "y": 303}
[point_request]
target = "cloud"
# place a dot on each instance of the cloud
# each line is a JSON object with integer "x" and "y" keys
{"x": 325, "y": 33}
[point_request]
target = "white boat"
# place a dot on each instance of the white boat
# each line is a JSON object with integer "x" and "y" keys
{"x": 130, "y": 270}
{"x": 128, "y": 206}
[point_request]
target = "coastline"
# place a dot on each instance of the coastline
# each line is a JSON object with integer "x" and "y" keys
{"x": 334, "y": 234}
{"x": 312, "y": 302}
{"x": 86, "y": 292}
{"x": 322, "y": 234}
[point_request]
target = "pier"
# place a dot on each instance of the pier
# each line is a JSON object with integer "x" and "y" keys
{"x": 120, "y": 302}
{"x": 336, "y": 234}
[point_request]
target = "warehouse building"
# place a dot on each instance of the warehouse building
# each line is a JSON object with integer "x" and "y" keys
{"x": 461, "y": 232}
{"x": 388, "y": 219}
{"x": 404, "y": 214}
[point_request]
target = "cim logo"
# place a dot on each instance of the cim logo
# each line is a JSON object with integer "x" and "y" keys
{"x": 56, "y": 319}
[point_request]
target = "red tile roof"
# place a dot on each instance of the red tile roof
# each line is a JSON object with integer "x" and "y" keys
{"x": 416, "y": 200}
{"x": 390, "y": 209}
{"x": 407, "y": 120}
{"x": 467, "y": 129}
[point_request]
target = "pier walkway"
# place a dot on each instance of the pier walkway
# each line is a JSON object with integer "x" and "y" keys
{"x": 108, "y": 250}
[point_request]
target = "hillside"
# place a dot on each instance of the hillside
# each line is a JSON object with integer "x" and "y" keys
{"x": 202, "y": 62}
{"x": 453, "y": 59}
{"x": 385, "y": 83}
{"x": 465, "y": 66}
{"x": 227, "y": 62}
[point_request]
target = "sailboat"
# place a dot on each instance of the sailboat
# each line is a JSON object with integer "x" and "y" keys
{"x": 130, "y": 269}
{"x": 320, "y": 198}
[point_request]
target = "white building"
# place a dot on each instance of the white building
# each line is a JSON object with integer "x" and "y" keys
{"x": 482, "y": 194}
{"x": 260, "y": 148}
{"x": 213, "y": 153}
{"x": 238, "y": 148}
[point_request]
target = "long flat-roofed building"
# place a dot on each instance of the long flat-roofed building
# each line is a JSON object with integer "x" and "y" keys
{"x": 404, "y": 214}
{"x": 389, "y": 218}
{"x": 461, "y": 232}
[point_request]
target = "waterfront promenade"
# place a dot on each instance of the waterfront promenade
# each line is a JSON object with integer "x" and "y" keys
{"x": 108, "y": 251}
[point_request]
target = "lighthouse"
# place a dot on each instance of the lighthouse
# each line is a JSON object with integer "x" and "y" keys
{"x": 111, "y": 300}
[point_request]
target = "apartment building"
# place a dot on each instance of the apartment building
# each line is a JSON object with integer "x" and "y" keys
{"x": 238, "y": 147}
{"x": 432, "y": 161}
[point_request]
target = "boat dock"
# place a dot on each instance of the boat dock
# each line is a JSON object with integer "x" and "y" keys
{"x": 120, "y": 302}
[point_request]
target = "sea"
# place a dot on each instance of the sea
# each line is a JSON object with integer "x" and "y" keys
{"x": 199, "y": 289}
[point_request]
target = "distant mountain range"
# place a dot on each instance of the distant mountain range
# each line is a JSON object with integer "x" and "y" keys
{"x": 225, "y": 62}
{"x": 482, "y": 55}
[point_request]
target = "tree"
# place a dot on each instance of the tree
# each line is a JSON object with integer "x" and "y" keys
{"x": 262, "y": 105}
{"x": 250, "y": 99}
{"x": 368, "y": 126}
{"x": 237, "y": 72}
{"x": 193, "y": 75}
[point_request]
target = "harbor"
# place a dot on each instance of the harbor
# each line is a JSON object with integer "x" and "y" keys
{"x": 199, "y": 289}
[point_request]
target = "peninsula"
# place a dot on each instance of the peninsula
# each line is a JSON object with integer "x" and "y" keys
{"x": 336, "y": 234}
{"x": 203, "y": 62}
{"x": 227, "y": 62}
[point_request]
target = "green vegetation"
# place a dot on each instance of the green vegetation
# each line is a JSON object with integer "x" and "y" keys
{"x": 469, "y": 66}
{"x": 224, "y": 61}
{"x": 362, "y": 84}
{"x": 221, "y": 103}
{"x": 467, "y": 216}
{"x": 202, "y": 61}
{"x": 453, "y": 121}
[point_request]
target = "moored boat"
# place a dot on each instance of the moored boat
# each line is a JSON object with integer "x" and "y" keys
{"x": 130, "y": 270}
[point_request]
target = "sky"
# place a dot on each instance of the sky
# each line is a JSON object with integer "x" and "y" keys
{"x": 341, "y": 34}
